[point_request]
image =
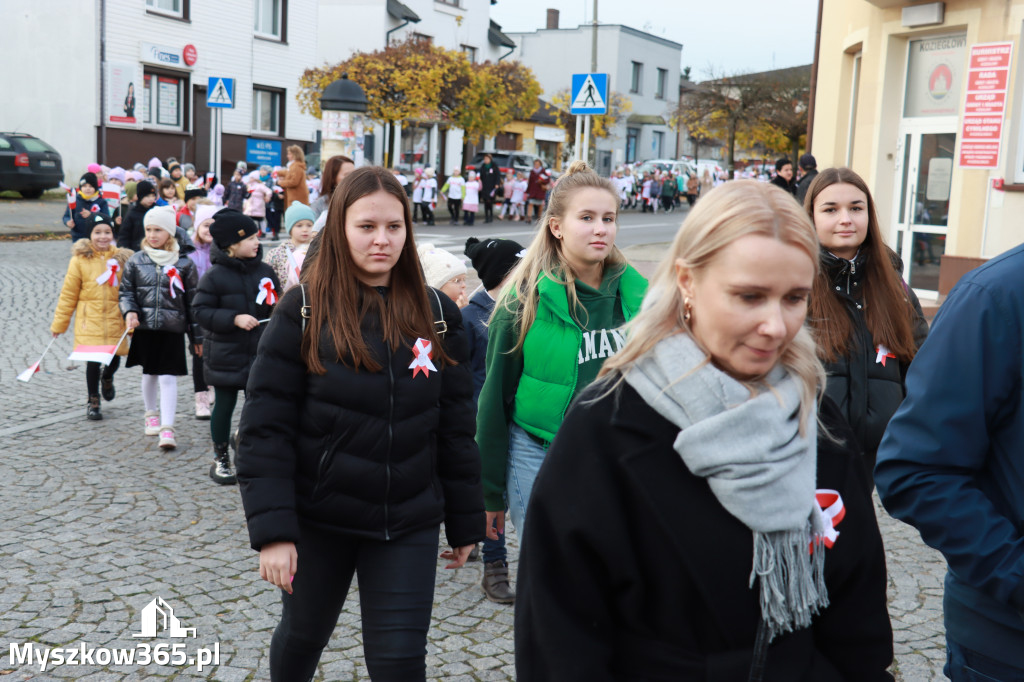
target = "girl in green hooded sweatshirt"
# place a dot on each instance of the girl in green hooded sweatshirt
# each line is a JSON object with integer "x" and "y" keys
{"x": 557, "y": 320}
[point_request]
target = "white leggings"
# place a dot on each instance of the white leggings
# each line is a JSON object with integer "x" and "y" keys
{"x": 168, "y": 384}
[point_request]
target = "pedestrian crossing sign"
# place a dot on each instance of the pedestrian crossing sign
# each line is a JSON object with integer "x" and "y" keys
{"x": 589, "y": 93}
{"x": 220, "y": 93}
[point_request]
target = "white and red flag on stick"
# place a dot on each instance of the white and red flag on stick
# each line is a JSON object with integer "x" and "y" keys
{"x": 30, "y": 372}
{"x": 101, "y": 354}
{"x": 72, "y": 196}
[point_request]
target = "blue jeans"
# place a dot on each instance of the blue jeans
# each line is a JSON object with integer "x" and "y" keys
{"x": 967, "y": 665}
{"x": 525, "y": 455}
{"x": 396, "y": 597}
{"x": 494, "y": 550}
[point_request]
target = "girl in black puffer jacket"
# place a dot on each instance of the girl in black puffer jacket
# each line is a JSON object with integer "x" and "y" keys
{"x": 868, "y": 322}
{"x": 156, "y": 301}
{"x": 356, "y": 439}
{"x": 235, "y": 298}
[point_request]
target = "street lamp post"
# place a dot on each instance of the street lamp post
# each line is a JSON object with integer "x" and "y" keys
{"x": 343, "y": 105}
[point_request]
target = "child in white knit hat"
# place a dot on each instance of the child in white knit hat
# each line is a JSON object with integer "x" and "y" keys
{"x": 445, "y": 272}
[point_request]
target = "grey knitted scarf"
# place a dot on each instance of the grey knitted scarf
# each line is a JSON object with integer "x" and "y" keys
{"x": 759, "y": 467}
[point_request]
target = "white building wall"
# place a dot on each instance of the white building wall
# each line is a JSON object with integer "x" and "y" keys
{"x": 49, "y": 72}
{"x": 349, "y": 26}
{"x": 46, "y": 90}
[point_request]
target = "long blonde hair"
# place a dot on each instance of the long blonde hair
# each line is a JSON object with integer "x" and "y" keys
{"x": 729, "y": 212}
{"x": 544, "y": 257}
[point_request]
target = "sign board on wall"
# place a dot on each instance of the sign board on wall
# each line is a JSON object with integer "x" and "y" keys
{"x": 549, "y": 134}
{"x": 123, "y": 92}
{"x": 981, "y": 133}
{"x": 263, "y": 152}
{"x": 165, "y": 55}
{"x": 935, "y": 76}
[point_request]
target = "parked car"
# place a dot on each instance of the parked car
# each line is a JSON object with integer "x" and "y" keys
{"x": 28, "y": 165}
{"x": 663, "y": 165}
{"x": 518, "y": 161}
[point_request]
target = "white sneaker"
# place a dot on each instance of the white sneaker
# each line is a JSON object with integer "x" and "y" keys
{"x": 202, "y": 405}
{"x": 167, "y": 441}
{"x": 152, "y": 423}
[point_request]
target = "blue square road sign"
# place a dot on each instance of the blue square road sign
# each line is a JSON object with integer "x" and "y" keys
{"x": 589, "y": 93}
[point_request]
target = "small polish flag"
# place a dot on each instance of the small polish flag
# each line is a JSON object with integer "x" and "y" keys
{"x": 28, "y": 373}
{"x": 72, "y": 196}
{"x": 112, "y": 193}
{"x": 101, "y": 354}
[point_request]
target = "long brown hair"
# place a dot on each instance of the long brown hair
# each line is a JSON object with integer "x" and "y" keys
{"x": 339, "y": 301}
{"x": 329, "y": 176}
{"x": 887, "y": 308}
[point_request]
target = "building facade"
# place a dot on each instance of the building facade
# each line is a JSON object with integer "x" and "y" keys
{"x": 159, "y": 58}
{"x": 460, "y": 25}
{"x": 925, "y": 102}
{"x": 641, "y": 67}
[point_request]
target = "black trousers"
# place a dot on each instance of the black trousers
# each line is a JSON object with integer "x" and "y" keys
{"x": 396, "y": 596}
{"x": 428, "y": 213}
{"x": 198, "y": 380}
{"x": 92, "y": 374}
{"x": 488, "y": 209}
{"x": 454, "y": 207}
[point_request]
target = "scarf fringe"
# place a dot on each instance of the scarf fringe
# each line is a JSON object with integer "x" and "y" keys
{"x": 792, "y": 584}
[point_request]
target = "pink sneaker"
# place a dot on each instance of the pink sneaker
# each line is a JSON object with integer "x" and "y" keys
{"x": 152, "y": 423}
{"x": 167, "y": 441}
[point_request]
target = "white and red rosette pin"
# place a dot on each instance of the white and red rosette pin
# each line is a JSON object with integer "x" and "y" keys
{"x": 422, "y": 352}
{"x": 174, "y": 280}
{"x": 109, "y": 275}
{"x": 267, "y": 293}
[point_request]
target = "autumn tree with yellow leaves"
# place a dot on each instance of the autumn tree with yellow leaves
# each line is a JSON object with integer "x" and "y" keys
{"x": 416, "y": 80}
{"x": 601, "y": 125}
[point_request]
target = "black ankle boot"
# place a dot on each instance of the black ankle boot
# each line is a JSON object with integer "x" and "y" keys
{"x": 107, "y": 387}
{"x": 221, "y": 470}
{"x": 92, "y": 412}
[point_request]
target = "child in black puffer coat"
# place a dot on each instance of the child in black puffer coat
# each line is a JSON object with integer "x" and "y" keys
{"x": 234, "y": 299}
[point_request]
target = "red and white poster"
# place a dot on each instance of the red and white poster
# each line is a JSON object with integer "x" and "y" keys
{"x": 122, "y": 80}
{"x": 981, "y": 127}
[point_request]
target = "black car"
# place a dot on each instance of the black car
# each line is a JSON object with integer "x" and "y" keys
{"x": 28, "y": 165}
{"x": 517, "y": 161}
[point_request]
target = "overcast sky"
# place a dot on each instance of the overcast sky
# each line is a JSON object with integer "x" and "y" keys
{"x": 727, "y": 36}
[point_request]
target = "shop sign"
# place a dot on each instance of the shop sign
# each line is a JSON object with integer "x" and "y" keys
{"x": 549, "y": 134}
{"x": 263, "y": 152}
{"x": 981, "y": 130}
{"x": 190, "y": 55}
{"x": 164, "y": 55}
{"x": 935, "y": 76}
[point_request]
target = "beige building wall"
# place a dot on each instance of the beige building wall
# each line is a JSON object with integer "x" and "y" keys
{"x": 859, "y": 110}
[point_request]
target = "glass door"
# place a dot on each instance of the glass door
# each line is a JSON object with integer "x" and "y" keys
{"x": 924, "y": 172}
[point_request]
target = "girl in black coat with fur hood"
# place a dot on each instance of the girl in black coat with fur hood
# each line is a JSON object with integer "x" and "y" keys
{"x": 700, "y": 516}
{"x": 234, "y": 300}
{"x": 356, "y": 439}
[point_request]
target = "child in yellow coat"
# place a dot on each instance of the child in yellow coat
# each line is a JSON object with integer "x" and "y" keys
{"x": 90, "y": 291}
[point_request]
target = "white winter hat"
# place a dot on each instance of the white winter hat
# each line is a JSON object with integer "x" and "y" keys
{"x": 439, "y": 266}
{"x": 162, "y": 217}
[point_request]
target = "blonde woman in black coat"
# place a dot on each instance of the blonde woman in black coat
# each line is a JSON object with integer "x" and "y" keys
{"x": 693, "y": 519}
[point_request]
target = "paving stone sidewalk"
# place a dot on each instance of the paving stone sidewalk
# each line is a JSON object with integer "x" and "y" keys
{"x": 96, "y": 521}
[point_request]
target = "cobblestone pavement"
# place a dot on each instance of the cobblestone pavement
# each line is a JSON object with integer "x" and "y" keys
{"x": 96, "y": 521}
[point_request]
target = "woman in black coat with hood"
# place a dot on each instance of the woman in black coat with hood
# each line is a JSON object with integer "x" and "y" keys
{"x": 234, "y": 299}
{"x": 356, "y": 439}
{"x": 867, "y": 321}
{"x": 700, "y": 516}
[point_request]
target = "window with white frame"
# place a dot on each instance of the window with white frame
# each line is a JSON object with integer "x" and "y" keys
{"x": 174, "y": 8}
{"x": 163, "y": 101}
{"x": 266, "y": 112}
{"x": 268, "y": 21}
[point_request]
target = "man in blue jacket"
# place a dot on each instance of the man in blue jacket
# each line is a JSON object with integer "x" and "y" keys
{"x": 952, "y": 464}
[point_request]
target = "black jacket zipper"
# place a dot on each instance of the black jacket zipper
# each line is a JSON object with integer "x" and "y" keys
{"x": 387, "y": 461}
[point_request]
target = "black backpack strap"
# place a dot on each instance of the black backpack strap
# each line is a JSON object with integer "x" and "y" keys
{"x": 439, "y": 325}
